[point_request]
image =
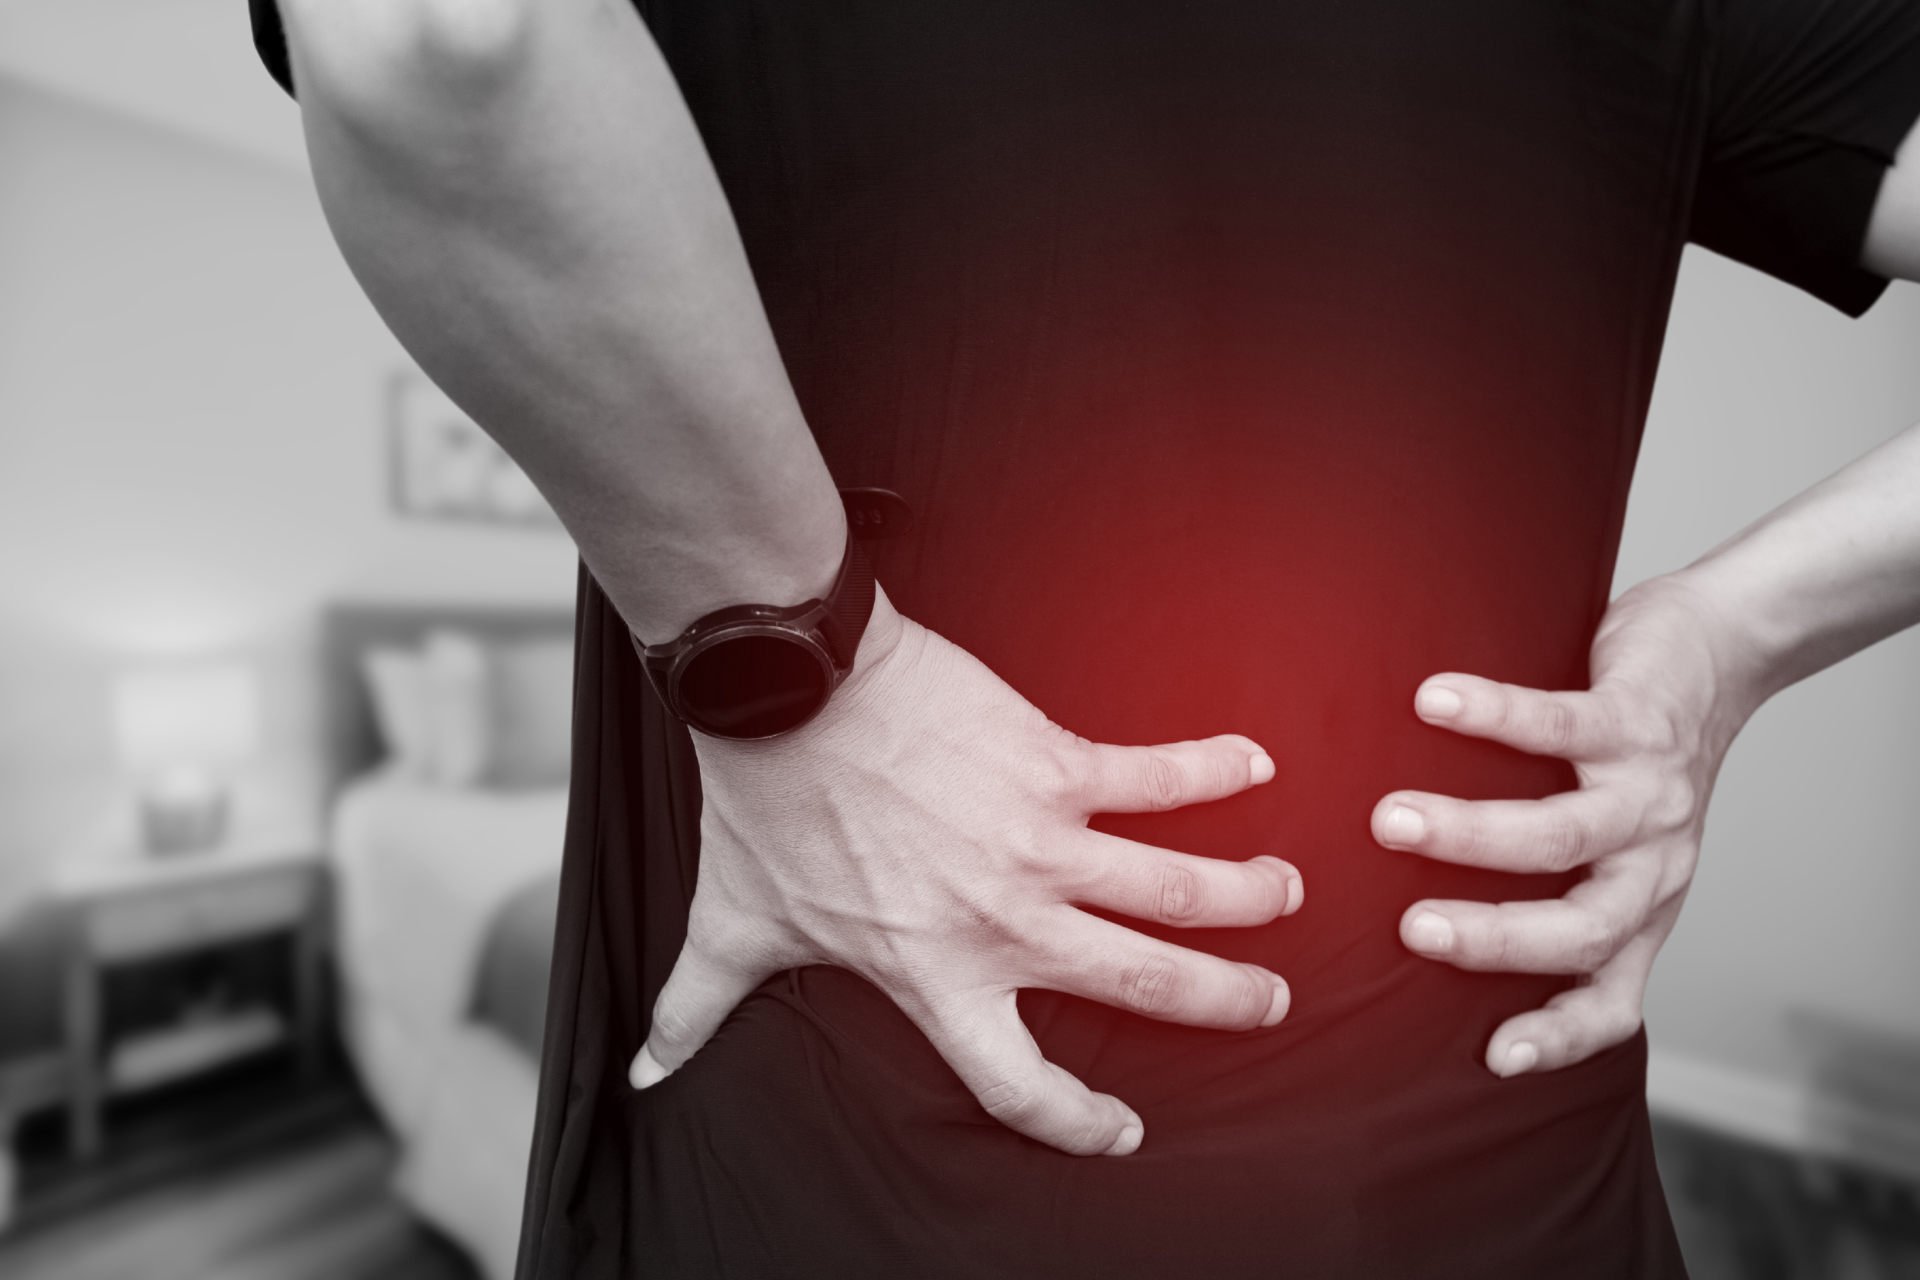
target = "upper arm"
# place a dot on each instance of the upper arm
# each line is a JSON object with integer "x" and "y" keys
{"x": 1892, "y": 244}
{"x": 519, "y": 189}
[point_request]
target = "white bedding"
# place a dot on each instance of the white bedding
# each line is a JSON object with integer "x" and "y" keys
{"x": 420, "y": 872}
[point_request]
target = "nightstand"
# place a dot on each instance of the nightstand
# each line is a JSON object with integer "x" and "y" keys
{"x": 130, "y": 910}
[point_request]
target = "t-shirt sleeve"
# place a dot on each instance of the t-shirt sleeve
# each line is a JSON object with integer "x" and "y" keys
{"x": 270, "y": 39}
{"x": 1808, "y": 102}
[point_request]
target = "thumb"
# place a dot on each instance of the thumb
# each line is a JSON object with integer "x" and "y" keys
{"x": 990, "y": 1049}
{"x": 700, "y": 992}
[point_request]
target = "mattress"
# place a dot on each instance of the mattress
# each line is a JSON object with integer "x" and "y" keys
{"x": 510, "y": 986}
{"x": 436, "y": 886}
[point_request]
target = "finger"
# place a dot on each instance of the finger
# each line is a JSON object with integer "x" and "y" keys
{"x": 1147, "y": 883}
{"x": 1110, "y": 779}
{"x": 990, "y": 1049}
{"x": 1107, "y": 962}
{"x": 1573, "y": 726}
{"x": 1557, "y": 833}
{"x": 702, "y": 990}
{"x": 1577, "y": 933}
{"x": 1572, "y": 1027}
{"x": 1577, "y": 1024}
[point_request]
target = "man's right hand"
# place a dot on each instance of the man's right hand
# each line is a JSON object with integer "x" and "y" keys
{"x": 929, "y": 832}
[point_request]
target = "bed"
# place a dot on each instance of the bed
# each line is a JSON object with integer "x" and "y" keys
{"x": 448, "y": 737}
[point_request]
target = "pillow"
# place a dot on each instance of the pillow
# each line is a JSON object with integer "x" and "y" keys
{"x": 396, "y": 682}
{"x": 532, "y": 706}
{"x": 459, "y": 711}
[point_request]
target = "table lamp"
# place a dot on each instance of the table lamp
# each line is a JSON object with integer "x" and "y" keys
{"x": 181, "y": 729}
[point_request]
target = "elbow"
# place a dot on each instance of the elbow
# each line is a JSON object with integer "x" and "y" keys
{"x": 469, "y": 38}
{"x": 375, "y": 48}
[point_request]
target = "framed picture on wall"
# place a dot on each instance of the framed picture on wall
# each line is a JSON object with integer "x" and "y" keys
{"x": 444, "y": 467}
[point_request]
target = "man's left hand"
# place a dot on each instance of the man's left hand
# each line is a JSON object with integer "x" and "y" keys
{"x": 1646, "y": 743}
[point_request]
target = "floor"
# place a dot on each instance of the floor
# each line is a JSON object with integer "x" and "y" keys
{"x": 1749, "y": 1213}
{"x": 247, "y": 1176}
{"x": 253, "y": 1176}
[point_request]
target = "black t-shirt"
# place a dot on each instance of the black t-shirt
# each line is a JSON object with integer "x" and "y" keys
{"x": 1245, "y": 363}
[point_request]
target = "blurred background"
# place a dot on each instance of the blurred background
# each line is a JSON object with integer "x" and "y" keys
{"x": 283, "y": 671}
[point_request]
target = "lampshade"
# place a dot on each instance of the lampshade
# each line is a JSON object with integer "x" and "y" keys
{"x": 202, "y": 714}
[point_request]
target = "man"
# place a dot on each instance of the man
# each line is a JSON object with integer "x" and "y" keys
{"x": 1243, "y": 367}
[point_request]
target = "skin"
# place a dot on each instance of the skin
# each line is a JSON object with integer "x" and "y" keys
{"x": 519, "y": 188}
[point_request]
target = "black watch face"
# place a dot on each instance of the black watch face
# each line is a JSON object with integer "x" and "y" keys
{"x": 754, "y": 686}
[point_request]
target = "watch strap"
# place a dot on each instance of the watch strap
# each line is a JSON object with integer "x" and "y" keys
{"x": 838, "y": 619}
{"x": 849, "y": 604}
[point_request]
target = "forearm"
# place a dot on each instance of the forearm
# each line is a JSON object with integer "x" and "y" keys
{"x": 520, "y": 190}
{"x": 1821, "y": 577}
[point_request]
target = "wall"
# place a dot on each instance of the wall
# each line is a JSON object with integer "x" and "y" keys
{"x": 191, "y": 456}
{"x": 1810, "y": 876}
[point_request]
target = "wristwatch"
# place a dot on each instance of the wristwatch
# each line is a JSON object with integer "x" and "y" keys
{"x": 754, "y": 671}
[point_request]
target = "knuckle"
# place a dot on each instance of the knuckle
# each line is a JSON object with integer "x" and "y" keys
{"x": 1614, "y": 1021}
{"x": 1455, "y": 828}
{"x": 1161, "y": 782}
{"x": 1028, "y": 852}
{"x": 1062, "y": 773}
{"x": 1150, "y": 987}
{"x": 1644, "y": 731}
{"x": 1594, "y": 946}
{"x": 1579, "y": 1031}
{"x": 1496, "y": 947}
{"x": 1563, "y": 842}
{"x": 1088, "y": 1137}
{"x": 991, "y": 922}
{"x": 1675, "y": 804}
{"x": 1557, "y": 726}
{"x": 1182, "y": 895}
{"x": 1011, "y": 1100}
{"x": 1470, "y": 833}
{"x": 721, "y": 938}
{"x": 671, "y": 1023}
{"x": 1558, "y": 1042}
{"x": 1623, "y": 1022}
{"x": 1253, "y": 996}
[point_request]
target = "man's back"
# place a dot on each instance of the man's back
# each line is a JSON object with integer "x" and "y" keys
{"x": 1243, "y": 365}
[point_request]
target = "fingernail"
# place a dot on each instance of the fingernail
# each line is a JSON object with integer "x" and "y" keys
{"x": 1282, "y": 1001}
{"x": 645, "y": 1071}
{"x": 1261, "y": 768}
{"x": 1129, "y": 1140}
{"x": 1521, "y": 1057}
{"x": 1428, "y": 932}
{"x": 1296, "y": 895}
{"x": 1437, "y": 702}
{"x": 1403, "y": 827}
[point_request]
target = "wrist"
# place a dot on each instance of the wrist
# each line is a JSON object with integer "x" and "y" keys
{"x": 1756, "y": 619}
{"x": 757, "y": 671}
{"x": 1708, "y": 659}
{"x": 883, "y": 639}
{"x": 771, "y": 565}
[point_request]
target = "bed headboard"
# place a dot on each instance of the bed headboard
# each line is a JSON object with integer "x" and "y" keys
{"x": 349, "y": 630}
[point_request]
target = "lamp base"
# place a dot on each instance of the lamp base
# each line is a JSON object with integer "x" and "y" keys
{"x": 178, "y": 818}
